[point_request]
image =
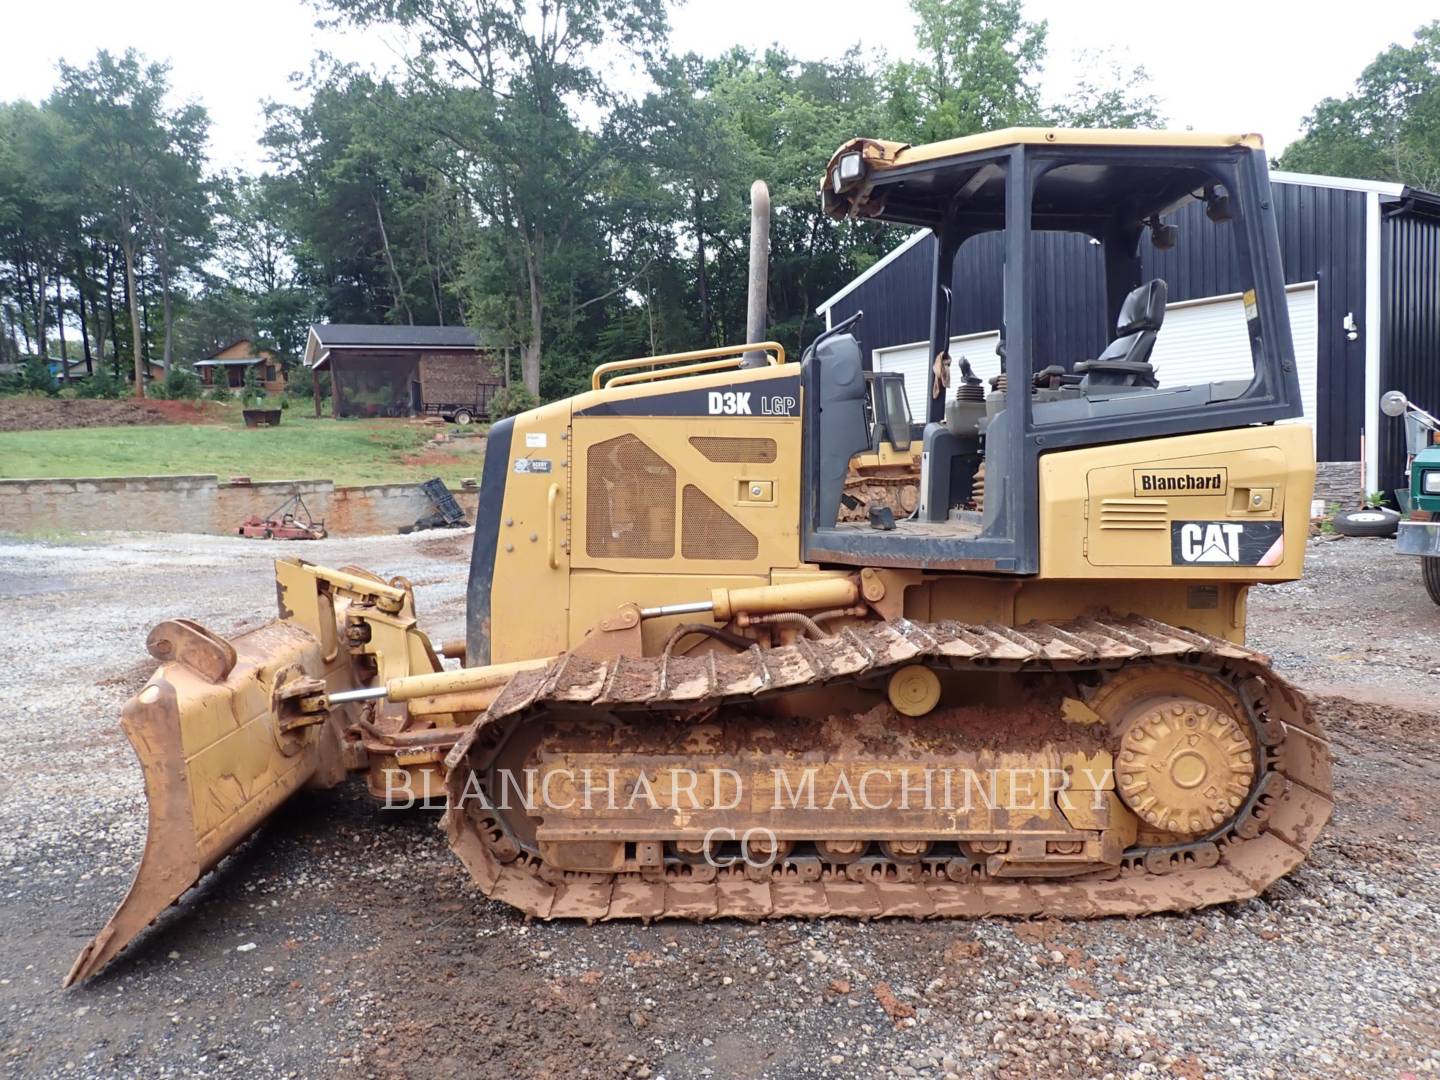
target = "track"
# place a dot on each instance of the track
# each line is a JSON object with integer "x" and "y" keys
{"x": 1284, "y": 810}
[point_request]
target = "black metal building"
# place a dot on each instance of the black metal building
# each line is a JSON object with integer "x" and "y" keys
{"x": 1366, "y": 252}
{"x": 1410, "y": 316}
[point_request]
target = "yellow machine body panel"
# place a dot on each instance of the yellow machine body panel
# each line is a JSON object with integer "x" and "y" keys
{"x": 680, "y": 495}
{"x": 1221, "y": 505}
{"x": 661, "y": 510}
{"x": 630, "y": 505}
{"x": 532, "y": 554}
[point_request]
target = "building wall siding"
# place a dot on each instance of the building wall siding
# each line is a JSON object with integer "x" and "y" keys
{"x": 1322, "y": 238}
{"x": 1410, "y": 353}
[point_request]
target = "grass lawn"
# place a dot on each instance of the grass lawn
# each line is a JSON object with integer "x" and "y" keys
{"x": 301, "y": 448}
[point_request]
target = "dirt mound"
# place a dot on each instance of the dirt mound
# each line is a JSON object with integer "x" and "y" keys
{"x": 46, "y": 414}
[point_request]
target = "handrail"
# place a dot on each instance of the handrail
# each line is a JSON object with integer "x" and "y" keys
{"x": 733, "y": 352}
{"x": 552, "y": 527}
{"x": 685, "y": 369}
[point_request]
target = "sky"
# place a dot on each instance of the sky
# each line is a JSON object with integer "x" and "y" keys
{"x": 1256, "y": 65}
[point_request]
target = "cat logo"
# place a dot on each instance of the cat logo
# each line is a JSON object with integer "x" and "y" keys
{"x": 1215, "y": 542}
{"x": 1227, "y": 543}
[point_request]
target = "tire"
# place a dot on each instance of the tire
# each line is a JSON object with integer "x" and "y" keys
{"x": 1367, "y": 521}
{"x": 1430, "y": 574}
{"x": 462, "y": 417}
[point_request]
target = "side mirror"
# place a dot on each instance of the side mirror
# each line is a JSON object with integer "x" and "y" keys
{"x": 1394, "y": 403}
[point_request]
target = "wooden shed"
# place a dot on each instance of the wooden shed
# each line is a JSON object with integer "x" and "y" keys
{"x": 403, "y": 370}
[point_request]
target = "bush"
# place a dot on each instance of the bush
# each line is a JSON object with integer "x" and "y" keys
{"x": 300, "y": 384}
{"x": 36, "y": 378}
{"x": 511, "y": 401}
{"x": 181, "y": 384}
{"x": 220, "y": 392}
{"x": 252, "y": 392}
{"x": 103, "y": 384}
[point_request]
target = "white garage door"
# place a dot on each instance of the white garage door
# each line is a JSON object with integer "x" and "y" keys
{"x": 1201, "y": 341}
{"x": 913, "y": 361}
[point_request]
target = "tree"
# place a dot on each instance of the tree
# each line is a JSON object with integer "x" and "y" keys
{"x": 175, "y": 210}
{"x": 363, "y": 202}
{"x": 260, "y": 251}
{"x": 1388, "y": 128}
{"x": 982, "y": 59}
{"x": 38, "y": 214}
{"x": 140, "y": 162}
{"x": 510, "y": 84}
{"x": 1111, "y": 92}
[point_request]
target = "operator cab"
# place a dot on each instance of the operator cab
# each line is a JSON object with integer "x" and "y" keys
{"x": 1083, "y": 223}
{"x": 887, "y": 411}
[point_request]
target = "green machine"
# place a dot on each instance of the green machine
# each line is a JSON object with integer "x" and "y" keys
{"x": 1420, "y": 532}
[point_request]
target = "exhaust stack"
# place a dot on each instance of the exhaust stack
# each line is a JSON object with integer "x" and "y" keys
{"x": 759, "y": 270}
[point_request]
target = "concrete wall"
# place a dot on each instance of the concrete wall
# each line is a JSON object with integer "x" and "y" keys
{"x": 383, "y": 508}
{"x": 201, "y": 504}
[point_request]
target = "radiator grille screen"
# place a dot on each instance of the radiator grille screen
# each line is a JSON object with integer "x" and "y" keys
{"x": 718, "y": 448}
{"x": 708, "y": 532}
{"x": 629, "y": 501}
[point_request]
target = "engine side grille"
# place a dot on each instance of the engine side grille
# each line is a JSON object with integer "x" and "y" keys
{"x": 708, "y": 532}
{"x": 1142, "y": 515}
{"x": 629, "y": 501}
{"x": 729, "y": 449}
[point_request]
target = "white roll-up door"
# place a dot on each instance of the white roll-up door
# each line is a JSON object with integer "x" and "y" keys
{"x": 913, "y": 362}
{"x": 1207, "y": 341}
{"x": 1201, "y": 341}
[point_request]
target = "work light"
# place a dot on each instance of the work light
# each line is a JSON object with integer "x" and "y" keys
{"x": 850, "y": 168}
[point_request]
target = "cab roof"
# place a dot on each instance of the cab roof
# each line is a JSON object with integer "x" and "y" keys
{"x": 892, "y": 189}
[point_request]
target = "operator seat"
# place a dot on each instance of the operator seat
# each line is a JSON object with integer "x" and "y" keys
{"x": 1126, "y": 361}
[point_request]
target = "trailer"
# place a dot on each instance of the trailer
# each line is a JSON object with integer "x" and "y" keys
{"x": 460, "y": 412}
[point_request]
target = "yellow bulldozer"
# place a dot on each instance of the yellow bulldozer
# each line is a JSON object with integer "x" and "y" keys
{"x": 692, "y": 688}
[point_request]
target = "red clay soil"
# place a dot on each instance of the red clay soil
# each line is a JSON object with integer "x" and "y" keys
{"x": 44, "y": 414}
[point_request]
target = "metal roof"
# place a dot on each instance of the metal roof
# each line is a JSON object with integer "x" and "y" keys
{"x": 395, "y": 337}
{"x": 326, "y": 336}
{"x": 233, "y": 361}
{"x": 1344, "y": 183}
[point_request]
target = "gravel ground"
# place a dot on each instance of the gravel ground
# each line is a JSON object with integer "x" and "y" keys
{"x": 373, "y": 954}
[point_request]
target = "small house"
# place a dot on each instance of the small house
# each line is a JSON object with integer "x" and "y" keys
{"x": 228, "y": 366}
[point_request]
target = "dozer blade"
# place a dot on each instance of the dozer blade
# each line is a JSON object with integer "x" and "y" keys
{"x": 226, "y": 731}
